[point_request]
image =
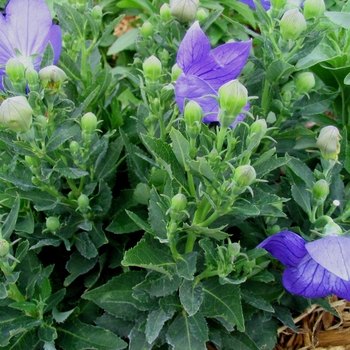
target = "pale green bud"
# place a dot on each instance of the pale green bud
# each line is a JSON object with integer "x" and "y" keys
{"x": 32, "y": 161}
{"x": 4, "y": 248}
{"x": 244, "y": 176}
{"x": 184, "y": 10}
{"x": 89, "y": 123}
{"x": 83, "y": 202}
{"x": 152, "y": 68}
{"x": 74, "y": 147}
{"x": 320, "y": 191}
{"x": 165, "y": 12}
{"x": 15, "y": 70}
{"x": 52, "y": 223}
{"x": 201, "y": 14}
{"x": 179, "y": 202}
{"x": 96, "y": 13}
{"x": 52, "y": 77}
{"x": 292, "y": 24}
{"x": 193, "y": 116}
{"x": 32, "y": 78}
{"x": 16, "y": 114}
{"x": 233, "y": 96}
{"x": 147, "y": 29}
{"x": 304, "y": 82}
{"x": 175, "y": 72}
{"x": 257, "y": 131}
{"x": 328, "y": 142}
{"x": 313, "y": 8}
{"x": 142, "y": 193}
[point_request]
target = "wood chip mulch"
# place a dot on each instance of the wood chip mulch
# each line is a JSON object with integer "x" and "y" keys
{"x": 318, "y": 329}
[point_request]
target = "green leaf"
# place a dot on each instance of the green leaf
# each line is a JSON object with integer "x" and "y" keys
{"x": 145, "y": 5}
{"x": 181, "y": 147}
{"x": 279, "y": 71}
{"x": 181, "y": 333}
{"x": 11, "y": 219}
{"x": 77, "y": 266}
{"x": 85, "y": 246}
{"x": 68, "y": 172}
{"x": 138, "y": 340}
{"x": 215, "y": 233}
{"x": 186, "y": 265}
{"x": 139, "y": 222}
{"x": 271, "y": 163}
{"x": 69, "y": 67}
{"x": 341, "y": 19}
{"x": 157, "y": 217}
{"x": 154, "y": 324}
{"x": 76, "y": 335}
{"x": 284, "y": 315}
{"x": 150, "y": 254}
{"x": 117, "y": 296}
{"x": 163, "y": 153}
{"x": 302, "y": 197}
{"x": 62, "y": 133}
{"x": 70, "y": 19}
{"x": 125, "y": 42}
{"x": 263, "y": 332}
{"x": 191, "y": 296}
{"x": 239, "y": 341}
{"x": 47, "y": 333}
{"x": 223, "y": 301}
{"x": 60, "y": 317}
{"x": 54, "y": 299}
{"x": 48, "y": 56}
{"x": 256, "y": 301}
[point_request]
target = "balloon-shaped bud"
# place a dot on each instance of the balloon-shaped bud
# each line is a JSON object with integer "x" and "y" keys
{"x": 292, "y": 24}
{"x": 152, "y": 68}
{"x": 328, "y": 142}
{"x": 304, "y": 82}
{"x": 184, "y": 10}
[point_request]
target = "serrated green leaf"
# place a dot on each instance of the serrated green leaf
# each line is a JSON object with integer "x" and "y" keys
{"x": 85, "y": 245}
{"x": 302, "y": 197}
{"x": 191, "y": 296}
{"x": 157, "y": 217}
{"x": 62, "y": 133}
{"x": 256, "y": 301}
{"x": 69, "y": 172}
{"x": 139, "y": 222}
{"x": 47, "y": 333}
{"x": 76, "y": 335}
{"x": 186, "y": 265}
{"x": 154, "y": 324}
{"x": 54, "y": 299}
{"x": 223, "y": 301}
{"x": 279, "y": 71}
{"x": 180, "y": 334}
{"x": 11, "y": 219}
{"x": 138, "y": 340}
{"x": 60, "y": 317}
{"x": 150, "y": 254}
{"x": 239, "y": 341}
{"x": 181, "y": 147}
{"x": 48, "y": 56}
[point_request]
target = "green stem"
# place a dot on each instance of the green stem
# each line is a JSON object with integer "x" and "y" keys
{"x": 220, "y": 139}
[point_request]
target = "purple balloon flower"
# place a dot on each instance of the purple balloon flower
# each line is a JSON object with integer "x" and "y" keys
{"x": 27, "y": 27}
{"x": 204, "y": 70}
{"x": 314, "y": 269}
{"x": 265, "y": 4}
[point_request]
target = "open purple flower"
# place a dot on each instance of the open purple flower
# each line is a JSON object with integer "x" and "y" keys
{"x": 27, "y": 27}
{"x": 314, "y": 269}
{"x": 204, "y": 70}
{"x": 266, "y": 4}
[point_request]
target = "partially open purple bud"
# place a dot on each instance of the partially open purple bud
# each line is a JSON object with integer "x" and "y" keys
{"x": 16, "y": 114}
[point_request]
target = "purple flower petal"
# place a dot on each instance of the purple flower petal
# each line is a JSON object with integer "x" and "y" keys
{"x": 194, "y": 88}
{"x": 308, "y": 279}
{"x": 265, "y": 4}
{"x": 341, "y": 288}
{"x": 286, "y": 246}
{"x": 333, "y": 253}
{"x": 194, "y": 47}
{"x": 223, "y": 64}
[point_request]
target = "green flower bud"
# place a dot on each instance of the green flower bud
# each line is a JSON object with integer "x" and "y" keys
{"x": 201, "y": 14}
{"x": 165, "y": 12}
{"x": 292, "y": 24}
{"x": 74, "y": 147}
{"x": 331, "y": 229}
{"x": 175, "y": 72}
{"x": 32, "y": 78}
{"x": 152, "y": 68}
{"x": 193, "y": 116}
{"x": 320, "y": 191}
{"x": 96, "y": 13}
{"x": 83, "y": 203}
{"x": 233, "y": 96}
{"x": 257, "y": 131}
{"x": 16, "y": 114}
{"x": 52, "y": 77}
{"x": 314, "y": 8}
{"x": 147, "y": 29}
{"x": 15, "y": 70}
{"x": 4, "y": 248}
{"x": 89, "y": 123}
{"x": 142, "y": 193}
{"x": 304, "y": 82}
{"x": 278, "y": 4}
{"x": 52, "y": 223}
{"x": 167, "y": 92}
{"x": 179, "y": 202}
{"x": 328, "y": 142}
{"x": 244, "y": 176}
{"x": 184, "y": 10}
